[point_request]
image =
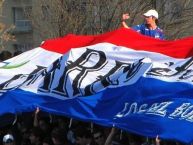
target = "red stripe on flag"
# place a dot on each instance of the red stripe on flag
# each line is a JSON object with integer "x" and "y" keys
{"x": 181, "y": 48}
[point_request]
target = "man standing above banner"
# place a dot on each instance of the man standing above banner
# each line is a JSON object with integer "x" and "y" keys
{"x": 149, "y": 28}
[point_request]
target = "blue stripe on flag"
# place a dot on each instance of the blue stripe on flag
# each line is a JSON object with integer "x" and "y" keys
{"x": 149, "y": 107}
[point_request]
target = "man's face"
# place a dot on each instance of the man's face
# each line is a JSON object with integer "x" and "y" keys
{"x": 149, "y": 20}
{"x": 43, "y": 125}
{"x": 99, "y": 139}
{"x": 32, "y": 138}
{"x": 81, "y": 140}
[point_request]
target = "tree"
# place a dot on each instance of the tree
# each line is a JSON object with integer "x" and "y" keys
{"x": 176, "y": 17}
{"x": 5, "y": 35}
{"x": 4, "y": 31}
{"x": 59, "y": 17}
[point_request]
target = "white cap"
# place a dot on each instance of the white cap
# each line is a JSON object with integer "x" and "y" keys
{"x": 153, "y": 13}
{"x": 8, "y": 138}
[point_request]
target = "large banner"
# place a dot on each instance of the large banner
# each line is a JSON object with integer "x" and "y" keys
{"x": 137, "y": 83}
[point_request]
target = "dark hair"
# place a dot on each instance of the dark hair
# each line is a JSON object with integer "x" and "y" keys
{"x": 37, "y": 132}
{"x": 5, "y": 55}
{"x": 17, "y": 53}
{"x": 157, "y": 21}
{"x": 59, "y": 134}
{"x": 98, "y": 130}
{"x": 48, "y": 140}
{"x": 83, "y": 132}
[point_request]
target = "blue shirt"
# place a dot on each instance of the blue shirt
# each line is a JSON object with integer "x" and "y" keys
{"x": 143, "y": 29}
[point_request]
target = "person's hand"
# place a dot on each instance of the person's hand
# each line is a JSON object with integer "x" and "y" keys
{"x": 37, "y": 110}
{"x": 125, "y": 16}
{"x": 113, "y": 130}
{"x": 157, "y": 140}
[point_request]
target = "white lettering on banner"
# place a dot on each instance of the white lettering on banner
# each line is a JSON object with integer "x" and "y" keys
{"x": 159, "y": 109}
{"x": 181, "y": 71}
{"x": 90, "y": 73}
{"x": 180, "y": 110}
{"x": 183, "y": 112}
{"x": 92, "y": 69}
{"x": 143, "y": 108}
{"x": 120, "y": 114}
{"x": 23, "y": 80}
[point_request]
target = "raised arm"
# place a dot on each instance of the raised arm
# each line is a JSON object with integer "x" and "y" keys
{"x": 110, "y": 136}
{"x": 125, "y": 17}
{"x": 157, "y": 140}
{"x": 35, "y": 123}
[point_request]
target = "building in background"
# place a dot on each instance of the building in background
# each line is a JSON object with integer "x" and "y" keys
{"x": 13, "y": 15}
{"x": 32, "y": 21}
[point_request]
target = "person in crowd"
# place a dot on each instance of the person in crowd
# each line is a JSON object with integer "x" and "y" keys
{"x": 36, "y": 136}
{"x": 8, "y": 139}
{"x": 24, "y": 124}
{"x": 99, "y": 137}
{"x": 116, "y": 137}
{"x": 70, "y": 137}
{"x": 110, "y": 138}
{"x": 59, "y": 136}
{"x": 157, "y": 140}
{"x": 83, "y": 136}
{"x": 149, "y": 28}
{"x": 17, "y": 53}
{"x": 135, "y": 139}
{"x": 62, "y": 122}
{"x": 47, "y": 141}
{"x": 4, "y": 55}
{"x": 41, "y": 122}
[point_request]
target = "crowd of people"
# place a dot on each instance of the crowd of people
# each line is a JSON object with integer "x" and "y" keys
{"x": 41, "y": 128}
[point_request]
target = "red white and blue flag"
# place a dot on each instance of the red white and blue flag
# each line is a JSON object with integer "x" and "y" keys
{"x": 137, "y": 83}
